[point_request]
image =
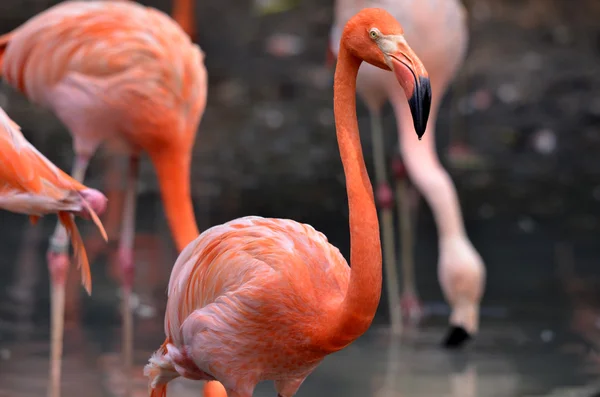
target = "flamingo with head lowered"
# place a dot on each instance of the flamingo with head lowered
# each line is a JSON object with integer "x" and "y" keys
{"x": 30, "y": 184}
{"x": 119, "y": 73}
{"x": 259, "y": 299}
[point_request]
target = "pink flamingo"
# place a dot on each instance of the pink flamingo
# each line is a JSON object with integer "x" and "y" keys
{"x": 30, "y": 184}
{"x": 124, "y": 74}
{"x": 437, "y": 29}
{"x": 261, "y": 299}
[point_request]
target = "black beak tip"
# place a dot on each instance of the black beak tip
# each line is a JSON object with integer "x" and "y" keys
{"x": 456, "y": 338}
{"x": 420, "y": 105}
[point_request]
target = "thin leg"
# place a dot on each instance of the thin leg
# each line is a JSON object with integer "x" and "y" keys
{"x": 128, "y": 268}
{"x": 57, "y": 327}
{"x": 411, "y": 307}
{"x": 58, "y": 266}
{"x": 114, "y": 189}
{"x": 385, "y": 200}
{"x": 183, "y": 13}
{"x": 461, "y": 271}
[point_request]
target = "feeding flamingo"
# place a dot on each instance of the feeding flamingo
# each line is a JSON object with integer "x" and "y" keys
{"x": 30, "y": 184}
{"x": 438, "y": 32}
{"x": 124, "y": 74}
{"x": 267, "y": 299}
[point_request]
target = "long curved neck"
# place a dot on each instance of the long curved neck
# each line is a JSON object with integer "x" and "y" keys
{"x": 183, "y": 13}
{"x": 364, "y": 290}
{"x": 173, "y": 172}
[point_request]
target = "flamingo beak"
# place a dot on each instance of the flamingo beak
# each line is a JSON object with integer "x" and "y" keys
{"x": 414, "y": 79}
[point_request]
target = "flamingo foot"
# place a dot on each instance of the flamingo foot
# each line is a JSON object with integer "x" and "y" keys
{"x": 456, "y": 337}
{"x": 411, "y": 308}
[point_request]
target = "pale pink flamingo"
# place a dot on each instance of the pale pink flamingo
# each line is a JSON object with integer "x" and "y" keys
{"x": 437, "y": 30}
{"x": 30, "y": 184}
{"x": 267, "y": 299}
{"x": 124, "y": 74}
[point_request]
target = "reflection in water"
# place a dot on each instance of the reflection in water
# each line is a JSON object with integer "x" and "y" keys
{"x": 583, "y": 294}
{"x": 377, "y": 365}
{"x": 398, "y": 381}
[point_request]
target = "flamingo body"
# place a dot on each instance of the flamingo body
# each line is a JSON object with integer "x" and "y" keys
{"x": 250, "y": 294}
{"x": 99, "y": 58}
{"x": 119, "y": 73}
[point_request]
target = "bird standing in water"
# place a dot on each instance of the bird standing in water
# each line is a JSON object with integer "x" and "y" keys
{"x": 267, "y": 299}
{"x": 122, "y": 74}
{"x": 30, "y": 184}
{"x": 438, "y": 33}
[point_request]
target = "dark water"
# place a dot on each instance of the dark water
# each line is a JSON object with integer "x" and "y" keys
{"x": 540, "y": 328}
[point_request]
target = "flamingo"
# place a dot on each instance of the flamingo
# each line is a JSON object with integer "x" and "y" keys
{"x": 30, "y": 184}
{"x": 267, "y": 299}
{"x": 125, "y": 74}
{"x": 438, "y": 31}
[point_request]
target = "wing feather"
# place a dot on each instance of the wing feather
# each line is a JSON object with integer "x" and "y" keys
{"x": 244, "y": 257}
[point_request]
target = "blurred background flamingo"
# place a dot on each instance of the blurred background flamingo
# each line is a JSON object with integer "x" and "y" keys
{"x": 438, "y": 32}
{"x": 30, "y": 184}
{"x": 99, "y": 89}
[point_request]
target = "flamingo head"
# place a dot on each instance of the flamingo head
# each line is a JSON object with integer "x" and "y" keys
{"x": 373, "y": 35}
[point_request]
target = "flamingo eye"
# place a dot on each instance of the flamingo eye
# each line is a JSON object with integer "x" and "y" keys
{"x": 374, "y": 33}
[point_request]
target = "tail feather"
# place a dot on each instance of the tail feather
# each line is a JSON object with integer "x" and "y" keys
{"x": 66, "y": 219}
{"x": 160, "y": 371}
{"x": 4, "y": 40}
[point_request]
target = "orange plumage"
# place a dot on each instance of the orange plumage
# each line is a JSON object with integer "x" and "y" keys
{"x": 261, "y": 299}
{"x": 30, "y": 184}
{"x": 119, "y": 73}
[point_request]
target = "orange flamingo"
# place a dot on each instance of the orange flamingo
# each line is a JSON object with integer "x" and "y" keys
{"x": 438, "y": 32}
{"x": 267, "y": 299}
{"x": 30, "y": 184}
{"x": 125, "y": 74}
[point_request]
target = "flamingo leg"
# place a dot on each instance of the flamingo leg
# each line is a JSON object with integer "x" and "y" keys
{"x": 385, "y": 201}
{"x": 409, "y": 301}
{"x": 183, "y": 13}
{"x": 128, "y": 268}
{"x": 58, "y": 266}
